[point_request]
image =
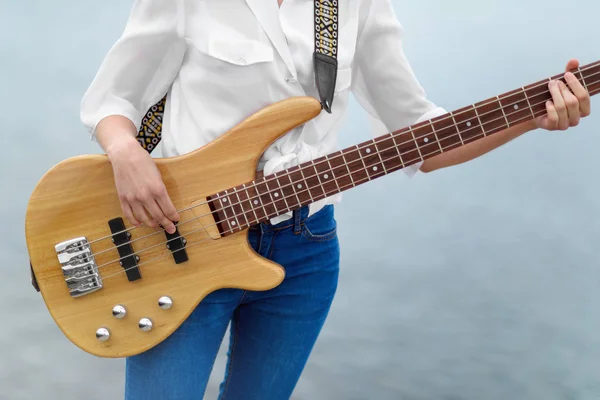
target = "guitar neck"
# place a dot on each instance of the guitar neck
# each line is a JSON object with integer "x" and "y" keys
{"x": 246, "y": 205}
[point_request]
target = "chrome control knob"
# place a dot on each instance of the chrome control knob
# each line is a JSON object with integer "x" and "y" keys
{"x": 145, "y": 324}
{"x": 119, "y": 311}
{"x": 102, "y": 334}
{"x": 165, "y": 302}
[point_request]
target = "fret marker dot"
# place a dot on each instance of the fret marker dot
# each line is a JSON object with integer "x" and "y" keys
{"x": 469, "y": 123}
{"x": 255, "y": 201}
{"x": 368, "y": 151}
{"x": 225, "y": 200}
{"x": 232, "y": 222}
{"x": 276, "y": 194}
{"x": 299, "y": 186}
{"x": 374, "y": 168}
{"x": 426, "y": 140}
{"x": 516, "y": 106}
{"x": 326, "y": 176}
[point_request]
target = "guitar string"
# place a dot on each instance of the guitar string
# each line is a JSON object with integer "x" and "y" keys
{"x": 253, "y": 185}
{"x": 228, "y": 219}
{"x": 190, "y": 244}
{"x": 482, "y": 126}
{"x": 202, "y": 240}
{"x": 491, "y": 101}
{"x": 235, "y": 216}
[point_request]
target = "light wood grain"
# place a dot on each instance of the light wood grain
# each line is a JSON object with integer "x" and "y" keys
{"x": 78, "y": 197}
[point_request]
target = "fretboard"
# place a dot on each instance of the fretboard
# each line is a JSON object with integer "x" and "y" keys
{"x": 259, "y": 200}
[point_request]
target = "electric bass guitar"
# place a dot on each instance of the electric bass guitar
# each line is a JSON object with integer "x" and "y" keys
{"x": 116, "y": 290}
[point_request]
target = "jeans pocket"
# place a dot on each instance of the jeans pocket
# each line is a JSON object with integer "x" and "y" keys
{"x": 321, "y": 226}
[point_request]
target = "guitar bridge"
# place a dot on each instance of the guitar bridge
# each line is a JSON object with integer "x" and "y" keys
{"x": 78, "y": 266}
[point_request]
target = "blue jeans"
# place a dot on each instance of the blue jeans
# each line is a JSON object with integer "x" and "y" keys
{"x": 272, "y": 332}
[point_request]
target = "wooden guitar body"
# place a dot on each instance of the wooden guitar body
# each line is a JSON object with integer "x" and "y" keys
{"x": 77, "y": 198}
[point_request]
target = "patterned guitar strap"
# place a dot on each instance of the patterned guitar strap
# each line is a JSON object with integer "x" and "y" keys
{"x": 324, "y": 63}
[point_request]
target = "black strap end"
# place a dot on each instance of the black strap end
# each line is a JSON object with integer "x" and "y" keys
{"x": 325, "y": 78}
{"x": 34, "y": 282}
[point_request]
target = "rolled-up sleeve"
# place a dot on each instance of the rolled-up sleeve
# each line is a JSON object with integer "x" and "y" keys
{"x": 140, "y": 67}
{"x": 383, "y": 81}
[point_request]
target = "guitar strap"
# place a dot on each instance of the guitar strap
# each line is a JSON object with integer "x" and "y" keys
{"x": 324, "y": 65}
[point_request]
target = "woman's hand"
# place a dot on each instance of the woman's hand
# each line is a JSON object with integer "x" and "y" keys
{"x": 569, "y": 104}
{"x": 143, "y": 195}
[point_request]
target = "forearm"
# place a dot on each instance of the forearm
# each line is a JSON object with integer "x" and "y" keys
{"x": 477, "y": 148}
{"x": 114, "y": 129}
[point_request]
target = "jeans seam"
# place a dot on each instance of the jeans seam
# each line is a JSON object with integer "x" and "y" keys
{"x": 233, "y": 345}
{"x": 272, "y": 245}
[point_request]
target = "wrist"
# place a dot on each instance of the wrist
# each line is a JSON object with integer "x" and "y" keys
{"x": 119, "y": 145}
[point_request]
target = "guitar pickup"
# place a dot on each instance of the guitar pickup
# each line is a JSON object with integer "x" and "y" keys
{"x": 121, "y": 240}
{"x": 176, "y": 243}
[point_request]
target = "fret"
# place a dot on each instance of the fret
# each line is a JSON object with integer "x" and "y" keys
{"x": 446, "y": 132}
{"x": 349, "y": 174}
{"x": 515, "y": 101}
{"x": 265, "y": 197}
{"x": 319, "y": 177}
{"x": 491, "y": 116}
{"x": 314, "y": 183}
{"x": 279, "y": 195}
{"x": 407, "y": 149}
{"x": 503, "y": 113}
{"x": 426, "y": 139}
{"x": 437, "y": 139}
{"x": 307, "y": 185}
{"x": 416, "y": 143}
{"x": 326, "y": 177}
{"x": 276, "y": 195}
{"x": 457, "y": 130}
{"x": 254, "y": 196}
{"x": 370, "y": 156}
{"x": 355, "y": 165}
{"x": 286, "y": 186}
{"x": 537, "y": 94}
{"x": 378, "y": 151}
{"x": 528, "y": 103}
{"x": 239, "y": 209}
{"x": 592, "y": 78}
{"x": 246, "y": 196}
{"x": 398, "y": 150}
{"x": 301, "y": 187}
{"x": 479, "y": 120}
{"x": 363, "y": 161}
{"x": 466, "y": 124}
{"x": 232, "y": 220}
{"x": 334, "y": 177}
{"x": 388, "y": 153}
{"x": 582, "y": 78}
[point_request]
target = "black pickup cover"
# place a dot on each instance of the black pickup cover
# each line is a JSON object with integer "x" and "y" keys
{"x": 121, "y": 240}
{"x": 176, "y": 243}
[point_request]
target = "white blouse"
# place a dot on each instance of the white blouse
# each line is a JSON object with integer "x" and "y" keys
{"x": 222, "y": 60}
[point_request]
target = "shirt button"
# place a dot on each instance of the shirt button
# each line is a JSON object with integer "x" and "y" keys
{"x": 290, "y": 80}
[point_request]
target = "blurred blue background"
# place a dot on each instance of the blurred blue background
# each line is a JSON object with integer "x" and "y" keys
{"x": 475, "y": 282}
